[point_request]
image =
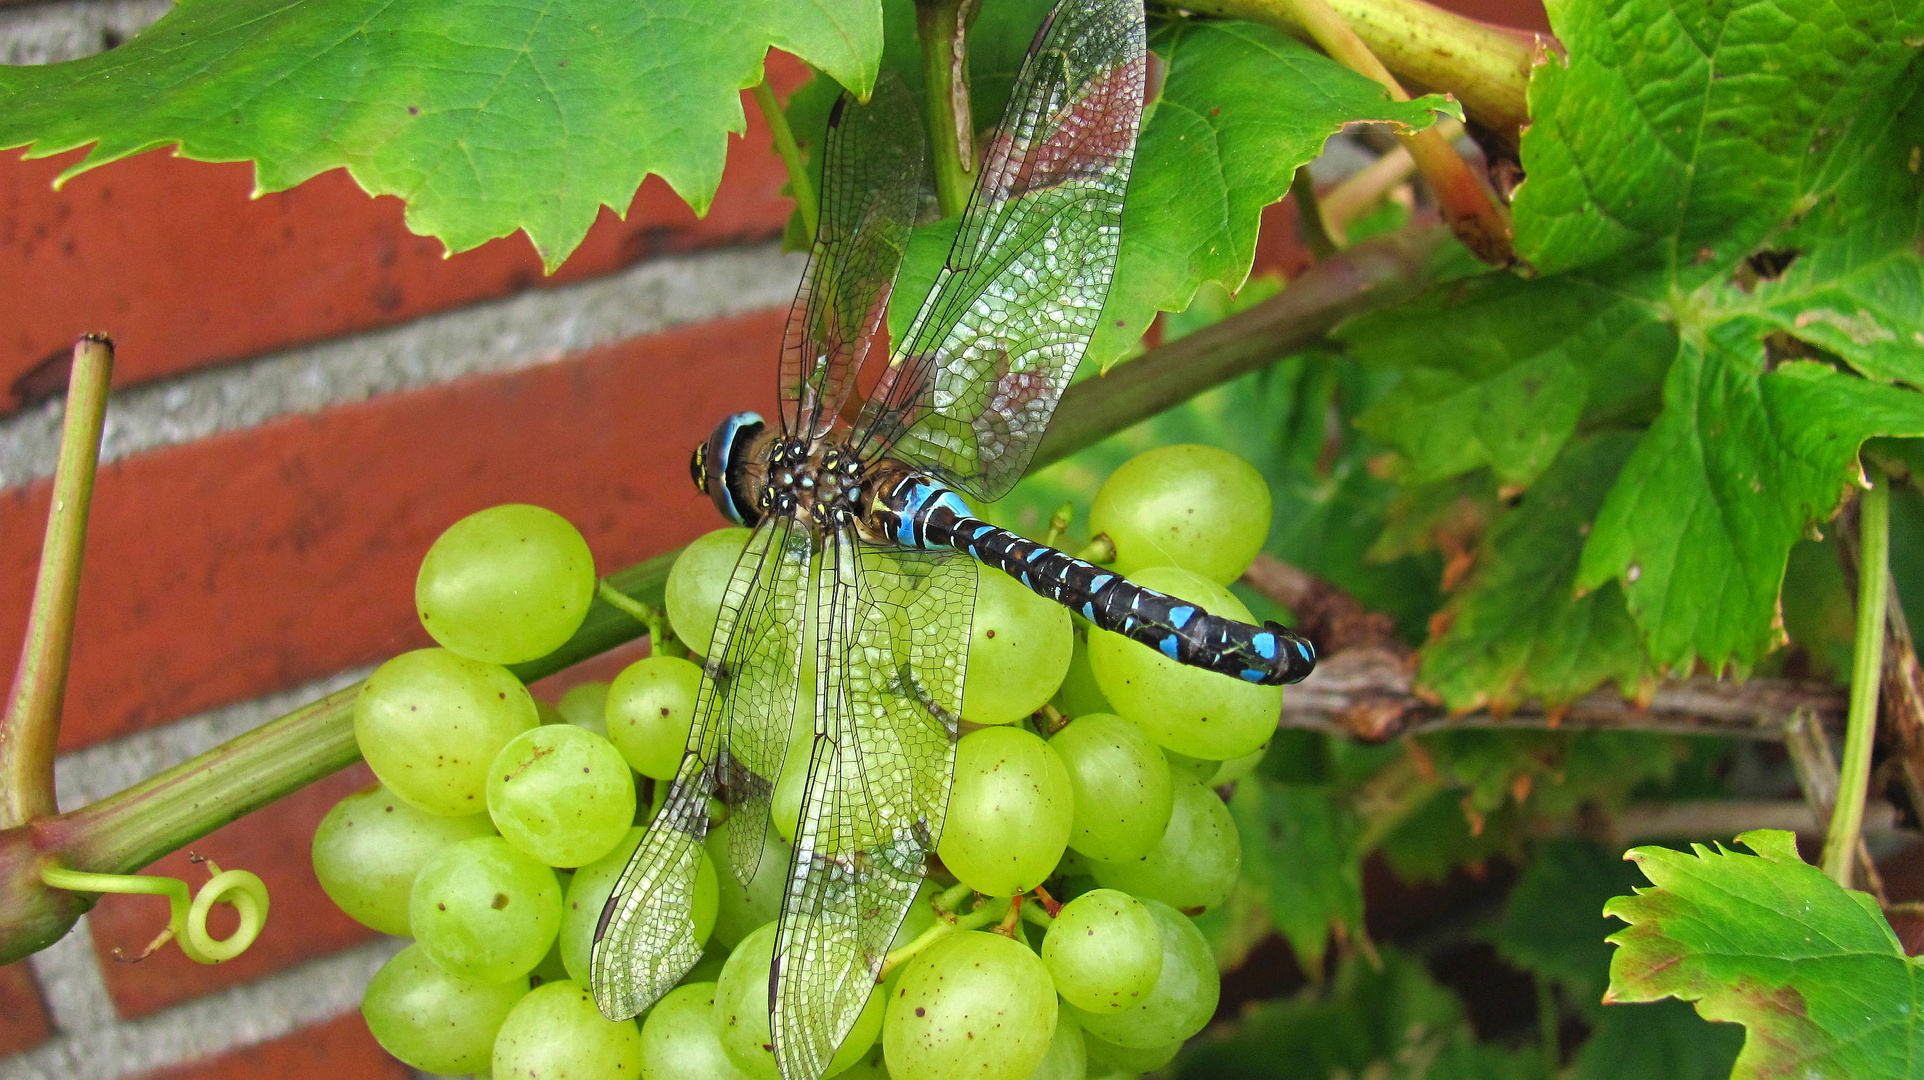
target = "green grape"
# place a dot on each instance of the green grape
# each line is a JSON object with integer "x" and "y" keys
{"x": 1128, "y": 1061}
{"x": 369, "y": 847}
{"x": 696, "y": 583}
{"x": 919, "y": 917}
{"x": 1186, "y": 709}
{"x": 547, "y": 714}
{"x": 1120, "y": 784}
{"x": 1079, "y": 694}
{"x": 429, "y": 724}
{"x": 585, "y": 705}
{"x": 741, "y": 1012}
{"x": 485, "y": 911}
{"x": 1103, "y": 950}
{"x": 708, "y": 967}
{"x": 870, "y": 1066}
{"x": 1019, "y": 647}
{"x": 556, "y": 1031}
{"x": 649, "y": 709}
{"x": 972, "y": 1004}
{"x": 1009, "y": 811}
{"x": 594, "y": 883}
{"x": 1068, "y": 1058}
{"x": 506, "y": 584}
{"x": 561, "y": 794}
{"x": 678, "y": 1038}
{"x": 1235, "y": 769}
{"x": 740, "y": 908}
{"x": 433, "y": 1020}
{"x": 1195, "y": 768}
{"x": 1195, "y": 865}
{"x": 1196, "y": 507}
{"x": 785, "y": 805}
{"x": 551, "y": 968}
{"x": 1184, "y": 998}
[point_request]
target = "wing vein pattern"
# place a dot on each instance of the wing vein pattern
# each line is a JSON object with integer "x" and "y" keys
{"x": 971, "y": 386}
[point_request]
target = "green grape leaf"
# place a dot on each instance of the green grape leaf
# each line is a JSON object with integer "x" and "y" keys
{"x": 1552, "y": 773}
{"x": 1515, "y": 630}
{"x": 1300, "y": 854}
{"x": 1688, "y": 131}
{"x": 1699, "y": 524}
{"x": 1242, "y": 107}
{"x": 1811, "y": 970}
{"x": 1552, "y": 924}
{"x": 1712, "y": 199}
{"x": 1499, "y": 372}
{"x": 483, "y": 117}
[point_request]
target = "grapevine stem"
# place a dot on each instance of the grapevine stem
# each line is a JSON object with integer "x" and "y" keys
{"x": 799, "y": 184}
{"x": 1485, "y": 67}
{"x": 1873, "y": 591}
{"x": 187, "y": 914}
{"x": 30, "y": 730}
{"x": 942, "y": 26}
{"x": 1472, "y": 214}
{"x": 1035, "y": 914}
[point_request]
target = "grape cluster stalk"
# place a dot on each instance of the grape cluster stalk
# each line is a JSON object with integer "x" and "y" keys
{"x": 1053, "y": 941}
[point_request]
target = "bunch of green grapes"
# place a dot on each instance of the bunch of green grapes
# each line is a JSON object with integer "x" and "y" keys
{"x": 1054, "y": 936}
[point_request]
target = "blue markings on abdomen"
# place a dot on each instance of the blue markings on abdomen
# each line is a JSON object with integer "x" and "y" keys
{"x": 1179, "y": 616}
{"x": 1168, "y": 646}
{"x": 1265, "y": 645}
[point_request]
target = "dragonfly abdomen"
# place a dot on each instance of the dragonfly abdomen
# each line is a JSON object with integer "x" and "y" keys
{"x": 920, "y": 512}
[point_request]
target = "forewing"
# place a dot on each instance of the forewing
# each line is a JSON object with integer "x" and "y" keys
{"x": 872, "y": 186}
{"x": 645, "y": 942}
{"x": 891, "y": 658}
{"x": 972, "y": 385}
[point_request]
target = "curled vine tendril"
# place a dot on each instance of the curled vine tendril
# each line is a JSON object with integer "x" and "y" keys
{"x": 187, "y": 918}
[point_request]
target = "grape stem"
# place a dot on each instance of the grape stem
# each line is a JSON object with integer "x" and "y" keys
{"x": 1059, "y": 523}
{"x": 946, "y": 902}
{"x": 1035, "y": 914}
{"x": 663, "y": 640}
{"x": 1052, "y": 719}
{"x": 986, "y": 912}
{"x": 1049, "y": 904}
{"x": 187, "y": 914}
{"x": 1100, "y": 550}
{"x": 799, "y": 185}
{"x": 1007, "y": 926}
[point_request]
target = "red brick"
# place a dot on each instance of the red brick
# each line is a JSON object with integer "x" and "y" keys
{"x": 173, "y": 259}
{"x": 302, "y": 923}
{"x": 340, "y": 1049}
{"x": 23, "y": 1015}
{"x": 223, "y": 569}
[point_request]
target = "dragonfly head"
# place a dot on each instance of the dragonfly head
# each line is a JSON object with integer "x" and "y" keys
{"x": 715, "y": 465}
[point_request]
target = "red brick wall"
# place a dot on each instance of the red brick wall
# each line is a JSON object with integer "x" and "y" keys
{"x": 257, "y": 560}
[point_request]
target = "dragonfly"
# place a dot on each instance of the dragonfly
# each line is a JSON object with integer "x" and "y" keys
{"x": 861, "y": 566}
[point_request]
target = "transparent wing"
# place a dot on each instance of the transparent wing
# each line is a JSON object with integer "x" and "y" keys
{"x": 894, "y": 642}
{"x": 872, "y": 186}
{"x": 972, "y": 385}
{"x": 645, "y": 941}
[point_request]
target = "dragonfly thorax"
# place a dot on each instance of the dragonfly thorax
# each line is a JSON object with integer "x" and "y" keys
{"x": 815, "y": 481}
